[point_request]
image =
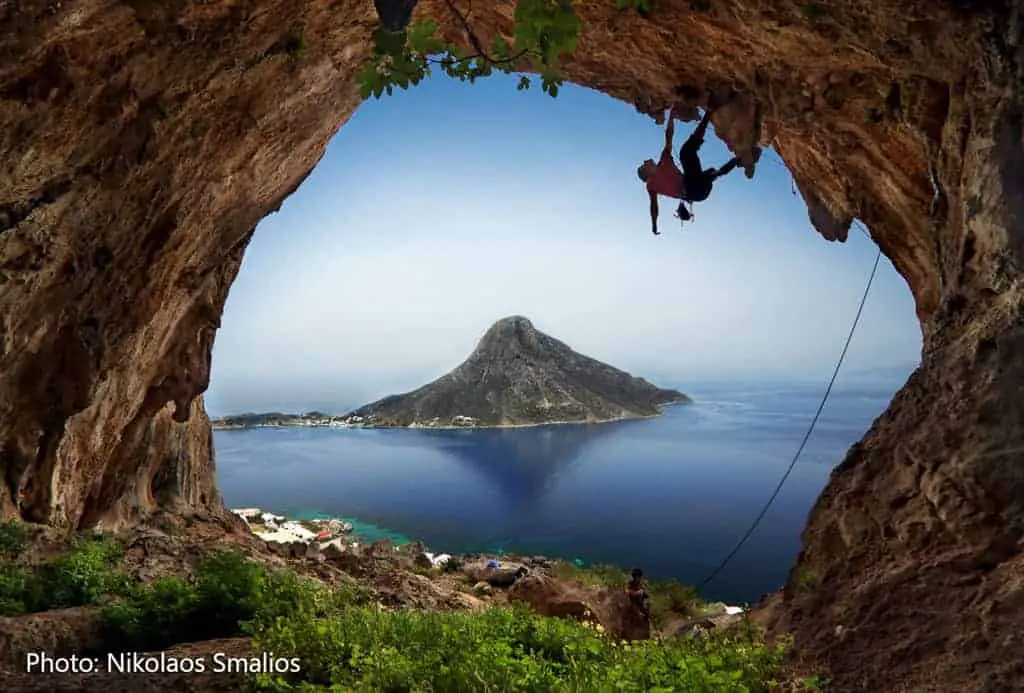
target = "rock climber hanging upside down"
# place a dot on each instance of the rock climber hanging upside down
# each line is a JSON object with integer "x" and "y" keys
{"x": 693, "y": 183}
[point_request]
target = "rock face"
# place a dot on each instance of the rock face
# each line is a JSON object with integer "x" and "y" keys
{"x": 608, "y": 607}
{"x": 140, "y": 144}
{"x": 519, "y": 375}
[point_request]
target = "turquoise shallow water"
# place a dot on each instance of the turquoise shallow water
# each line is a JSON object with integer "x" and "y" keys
{"x": 671, "y": 494}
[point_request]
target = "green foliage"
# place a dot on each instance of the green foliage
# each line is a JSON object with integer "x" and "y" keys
{"x": 363, "y": 649}
{"x": 641, "y": 6}
{"x": 13, "y": 539}
{"x": 82, "y": 576}
{"x": 597, "y": 575}
{"x": 814, "y": 11}
{"x": 295, "y": 45}
{"x": 229, "y": 595}
{"x": 806, "y": 579}
{"x": 85, "y": 574}
{"x": 668, "y": 597}
{"x": 452, "y": 565}
{"x": 813, "y": 683}
{"x": 14, "y": 590}
{"x": 544, "y": 31}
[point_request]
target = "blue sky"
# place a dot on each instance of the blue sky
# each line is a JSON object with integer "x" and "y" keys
{"x": 439, "y": 210}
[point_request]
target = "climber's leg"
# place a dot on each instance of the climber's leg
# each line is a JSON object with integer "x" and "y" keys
{"x": 724, "y": 170}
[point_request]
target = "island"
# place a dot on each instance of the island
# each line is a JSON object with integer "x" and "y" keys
{"x": 516, "y": 376}
{"x": 520, "y": 376}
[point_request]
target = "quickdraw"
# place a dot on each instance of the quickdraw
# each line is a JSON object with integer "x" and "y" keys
{"x": 684, "y": 214}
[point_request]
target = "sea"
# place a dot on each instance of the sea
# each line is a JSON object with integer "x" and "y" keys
{"x": 672, "y": 495}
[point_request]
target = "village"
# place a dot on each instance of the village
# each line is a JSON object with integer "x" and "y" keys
{"x": 280, "y": 530}
{"x": 319, "y": 534}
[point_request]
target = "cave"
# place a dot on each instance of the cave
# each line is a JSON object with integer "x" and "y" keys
{"x": 142, "y": 142}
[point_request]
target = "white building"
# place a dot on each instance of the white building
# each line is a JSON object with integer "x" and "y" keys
{"x": 270, "y": 519}
{"x": 298, "y": 531}
{"x": 278, "y": 537}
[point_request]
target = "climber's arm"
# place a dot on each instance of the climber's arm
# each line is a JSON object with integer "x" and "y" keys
{"x": 654, "y": 214}
{"x": 670, "y": 131}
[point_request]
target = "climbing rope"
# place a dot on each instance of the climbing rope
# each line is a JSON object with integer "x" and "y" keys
{"x": 807, "y": 436}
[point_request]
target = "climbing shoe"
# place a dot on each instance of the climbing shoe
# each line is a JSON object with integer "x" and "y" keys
{"x": 748, "y": 169}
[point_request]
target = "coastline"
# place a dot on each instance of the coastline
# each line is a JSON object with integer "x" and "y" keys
{"x": 453, "y": 427}
{"x": 298, "y": 537}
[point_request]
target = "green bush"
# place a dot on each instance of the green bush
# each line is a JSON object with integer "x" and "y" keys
{"x": 452, "y": 565}
{"x": 85, "y": 574}
{"x": 363, "y": 649}
{"x": 229, "y": 595}
{"x": 597, "y": 575}
{"x": 81, "y": 577}
{"x": 13, "y": 539}
{"x": 667, "y": 596}
{"x": 672, "y": 597}
{"x": 14, "y": 587}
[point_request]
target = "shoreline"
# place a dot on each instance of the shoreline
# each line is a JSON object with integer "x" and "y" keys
{"x": 453, "y": 427}
{"x": 347, "y": 539}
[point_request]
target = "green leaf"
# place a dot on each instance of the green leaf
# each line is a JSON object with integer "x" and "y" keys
{"x": 387, "y": 43}
{"x": 524, "y": 83}
{"x": 500, "y": 49}
{"x": 423, "y": 38}
{"x": 367, "y": 78}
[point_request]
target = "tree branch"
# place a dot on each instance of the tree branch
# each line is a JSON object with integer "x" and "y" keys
{"x": 470, "y": 34}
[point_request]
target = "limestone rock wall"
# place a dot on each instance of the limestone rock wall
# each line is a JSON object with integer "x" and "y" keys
{"x": 142, "y": 141}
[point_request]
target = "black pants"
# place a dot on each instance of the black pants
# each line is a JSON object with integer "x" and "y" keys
{"x": 698, "y": 181}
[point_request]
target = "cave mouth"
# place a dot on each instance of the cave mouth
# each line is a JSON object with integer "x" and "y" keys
{"x": 556, "y": 195}
{"x": 542, "y": 251}
{"x": 141, "y": 146}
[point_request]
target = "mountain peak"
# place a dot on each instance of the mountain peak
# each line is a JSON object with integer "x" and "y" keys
{"x": 518, "y": 375}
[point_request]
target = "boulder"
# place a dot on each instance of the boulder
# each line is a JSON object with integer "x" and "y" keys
{"x": 58, "y": 633}
{"x": 380, "y": 548}
{"x": 610, "y": 608}
{"x": 502, "y": 576}
{"x": 331, "y": 551}
{"x": 700, "y": 626}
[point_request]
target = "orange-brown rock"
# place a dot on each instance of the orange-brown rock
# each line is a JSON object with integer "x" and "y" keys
{"x": 141, "y": 142}
{"x": 609, "y": 608}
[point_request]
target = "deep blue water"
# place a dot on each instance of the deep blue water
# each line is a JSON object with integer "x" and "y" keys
{"x": 671, "y": 494}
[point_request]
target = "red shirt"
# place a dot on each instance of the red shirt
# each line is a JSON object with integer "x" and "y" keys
{"x": 667, "y": 179}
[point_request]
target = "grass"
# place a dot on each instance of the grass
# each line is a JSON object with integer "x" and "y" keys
{"x": 363, "y": 649}
{"x": 346, "y": 643}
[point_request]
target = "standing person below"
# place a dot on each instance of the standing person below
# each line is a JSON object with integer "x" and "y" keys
{"x": 637, "y": 592}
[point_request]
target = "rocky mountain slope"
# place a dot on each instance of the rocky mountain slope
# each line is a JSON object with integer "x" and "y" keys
{"x": 517, "y": 375}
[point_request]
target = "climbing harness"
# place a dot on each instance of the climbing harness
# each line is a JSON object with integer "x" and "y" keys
{"x": 807, "y": 436}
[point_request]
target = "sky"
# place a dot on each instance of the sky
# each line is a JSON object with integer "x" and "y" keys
{"x": 439, "y": 210}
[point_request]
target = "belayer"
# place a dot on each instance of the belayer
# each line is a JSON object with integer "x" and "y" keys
{"x": 693, "y": 183}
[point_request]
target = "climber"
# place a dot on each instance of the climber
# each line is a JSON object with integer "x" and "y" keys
{"x": 637, "y": 593}
{"x": 692, "y": 184}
